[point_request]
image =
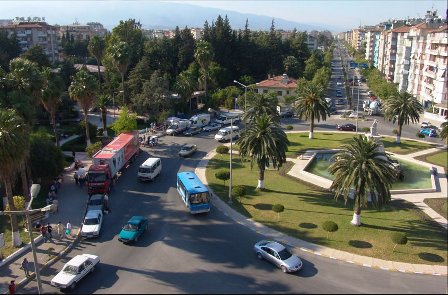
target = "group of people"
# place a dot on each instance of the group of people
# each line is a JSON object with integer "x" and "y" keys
{"x": 47, "y": 231}
{"x": 80, "y": 176}
{"x": 52, "y": 197}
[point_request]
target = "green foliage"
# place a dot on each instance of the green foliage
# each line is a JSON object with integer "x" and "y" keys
{"x": 19, "y": 203}
{"x": 92, "y": 130}
{"x": 365, "y": 129}
{"x": 238, "y": 191}
{"x": 399, "y": 238}
{"x": 222, "y": 149}
{"x": 395, "y": 131}
{"x": 47, "y": 160}
{"x": 420, "y": 135}
{"x": 278, "y": 208}
{"x": 93, "y": 148}
{"x": 223, "y": 174}
{"x": 37, "y": 55}
{"x": 126, "y": 122}
{"x": 289, "y": 127}
{"x": 329, "y": 227}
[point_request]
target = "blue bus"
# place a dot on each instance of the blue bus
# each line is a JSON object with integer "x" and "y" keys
{"x": 193, "y": 192}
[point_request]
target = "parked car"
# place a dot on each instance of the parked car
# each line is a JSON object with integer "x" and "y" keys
{"x": 212, "y": 127}
{"x": 91, "y": 226}
{"x": 133, "y": 229}
{"x": 74, "y": 270}
{"x": 192, "y": 131}
{"x": 95, "y": 202}
{"x": 346, "y": 127}
{"x": 355, "y": 115}
{"x": 339, "y": 83}
{"x": 187, "y": 150}
{"x": 287, "y": 114}
{"x": 425, "y": 124}
{"x": 428, "y": 132}
{"x": 277, "y": 254}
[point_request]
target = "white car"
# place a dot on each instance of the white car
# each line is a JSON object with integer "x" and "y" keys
{"x": 74, "y": 270}
{"x": 91, "y": 226}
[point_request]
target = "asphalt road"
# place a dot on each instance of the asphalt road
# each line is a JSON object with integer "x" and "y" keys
{"x": 208, "y": 253}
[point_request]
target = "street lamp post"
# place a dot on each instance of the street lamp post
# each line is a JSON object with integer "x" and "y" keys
{"x": 357, "y": 112}
{"x": 30, "y": 231}
{"x": 230, "y": 179}
{"x": 245, "y": 92}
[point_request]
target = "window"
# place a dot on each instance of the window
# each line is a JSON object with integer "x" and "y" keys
{"x": 279, "y": 93}
{"x": 287, "y": 92}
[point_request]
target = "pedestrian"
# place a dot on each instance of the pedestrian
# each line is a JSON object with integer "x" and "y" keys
{"x": 106, "y": 203}
{"x": 12, "y": 288}
{"x": 43, "y": 232}
{"x": 24, "y": 266}
{"x": 68, "y": 229}
{"x": 60, "y": 229}
{"x": 50, "y": 231}
{"x": 74, "y": 154}
{"x": 76, "y": 177}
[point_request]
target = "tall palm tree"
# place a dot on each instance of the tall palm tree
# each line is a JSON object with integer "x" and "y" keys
{"x": 265, "y": 143}
{"x": 121, "y": 57}
{"x": 444, "y": 132}
{"x": 204, "y": 57}
{"x": 362, "y": 169}
{"x": 97, "y": 48}
{"x": 403, "y": 109}
{"x": 14, "y": 148}
{"x": 262, "y": 104}
{"x": 51, "y": 96}
{"x": 311, "y": 104}
{"x": 186, "y": 85}
{"x": 83, "y": 89}
{"x": 101, "y": 102}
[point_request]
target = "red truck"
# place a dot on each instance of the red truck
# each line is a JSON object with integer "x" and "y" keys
{"x": 112, "y": 158}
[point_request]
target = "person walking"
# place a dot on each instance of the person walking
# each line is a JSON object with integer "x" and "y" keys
{"x": 43, "y": 232}
{"x": 106, "y": 203}
{"x": 50, "y": 232}
{"x": 12, "y": 288}
{"x": 24, "y": 266}
{"x": 68, "y": 229}
{"x": 76, "y": 177}
{"x": 60, "y": 229}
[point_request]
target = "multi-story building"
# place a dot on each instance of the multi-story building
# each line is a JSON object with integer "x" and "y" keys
{"x": 358, "y": 38}
{"x": 372, "y": 37}
{"x": 32, "y": 32}
{"x": 79, "y": 31}
{"x": 197, "y": 33}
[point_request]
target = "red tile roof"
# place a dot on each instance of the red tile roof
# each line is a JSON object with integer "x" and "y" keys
{"x": 277, "y": 82}
{"x": 402, "y": 29}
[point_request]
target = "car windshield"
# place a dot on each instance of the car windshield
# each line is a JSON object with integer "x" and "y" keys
{"x": 96, "y": 177}
{"x": 130, "y": 227}
{"x": 95, "y": 202}
{"x": 199, "y": 198}
{"x": 187, "y": 148}
{"x": 91, "y": 221}
{"x": 284, "y": 254}
{"x": 70, "y": 269}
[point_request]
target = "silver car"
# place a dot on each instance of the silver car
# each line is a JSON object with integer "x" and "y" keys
{"x": 277, "y": 254}
{"x": 95, "y": 202}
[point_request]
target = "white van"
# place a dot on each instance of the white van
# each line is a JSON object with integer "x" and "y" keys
{"x": 150, "y": 169}
{"x": 224, "y": 133}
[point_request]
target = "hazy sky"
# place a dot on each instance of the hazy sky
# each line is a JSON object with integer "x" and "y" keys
{"x": 344, "y": 15}
{"x": 347, "y": 14}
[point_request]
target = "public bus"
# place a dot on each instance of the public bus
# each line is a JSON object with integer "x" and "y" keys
{"x": 193, "y": 192}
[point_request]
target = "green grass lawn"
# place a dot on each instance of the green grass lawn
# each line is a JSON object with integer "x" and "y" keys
{"x": 332, "y": 140}
{"x": 437, "y": 158}
{"x": 307, "y": 207}
{"x": 439, "y": 205}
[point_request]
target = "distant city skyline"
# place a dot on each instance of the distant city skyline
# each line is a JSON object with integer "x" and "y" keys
{"x": 336, "y": 16}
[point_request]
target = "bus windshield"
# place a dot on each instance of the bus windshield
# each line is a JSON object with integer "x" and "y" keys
{"x": 199, "y": 198}
{"x": 96, "y": 177}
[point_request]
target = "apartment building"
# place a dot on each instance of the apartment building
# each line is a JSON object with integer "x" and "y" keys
{"x": 358, "y": 38}
{"x": 34, "y": 31}
{"x": 197, "y": 33}
{"x": 372, "y": 37}
{"x": 79, "y": 31}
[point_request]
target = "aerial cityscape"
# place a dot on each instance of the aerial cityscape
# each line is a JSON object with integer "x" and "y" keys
{"x": 223, "y": 147}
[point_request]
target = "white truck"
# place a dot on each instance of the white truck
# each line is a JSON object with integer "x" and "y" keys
{"x": 224, "y": 134}
{"x": 225, "y": 118}
{"x": 178, "y": 126}
{"x": 200, "y": 120}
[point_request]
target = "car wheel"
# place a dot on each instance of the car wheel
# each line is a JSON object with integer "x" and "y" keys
{"x": 259, "y": 256}
{"x": 284, "y": 269}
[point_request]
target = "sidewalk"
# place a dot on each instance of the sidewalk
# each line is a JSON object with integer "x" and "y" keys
{"x": 48, "y": 253}
{"x": 301, "y": 245}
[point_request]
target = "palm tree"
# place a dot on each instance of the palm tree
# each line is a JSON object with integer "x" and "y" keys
{"x": 262, "y": 104}
{"x": 97, "y": 48}
{"x": 360, "y": 169}
{"x": 14, "y": 148}
{"x": 402, "y": 108}
{"x": 186, "y": 85}
{"x": 51, "y": 96}
{"x": 101, "y": 102}
{"x": 83, "y": 89}
{"x": 265, "y": 143}
{"x": 121, "y": 57}
{"x": 204, "y": 57}
{"x": 311, "y": 104}
{"x": 444, "y": 132}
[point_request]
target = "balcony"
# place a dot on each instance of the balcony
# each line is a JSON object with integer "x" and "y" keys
{"x": 430, "y": 74}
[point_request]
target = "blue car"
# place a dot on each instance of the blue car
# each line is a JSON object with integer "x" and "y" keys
{"x": 428, "y": 132}
{"x": 135, "y": 227}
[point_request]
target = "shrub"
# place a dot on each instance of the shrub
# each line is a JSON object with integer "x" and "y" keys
{"x": 329, "y": 227}
{"x": 419, "y": 135}
{"x": 222, "y": 149}
{"x": 278, "y": 208}
{"x": 399, "y": 238}
{"x": 365, "y": 129}
{"x": 395, "y": 131}
{"x": 92, "y": 129}
{"x": 238, "y": 191}
{"x": 93, "y": 148}
{"x": 289, "y": 127}
{"x": 223, "y": 174}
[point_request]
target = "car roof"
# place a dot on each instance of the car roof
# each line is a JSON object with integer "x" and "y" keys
{"x": 93, "y": 213}
{"x": 188, "y": 146}
{"x": 277, "y": 247}
{"x": 96, "y": 196}
{"x": 136, "y": 219}
{"x": 78, "y": 260}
